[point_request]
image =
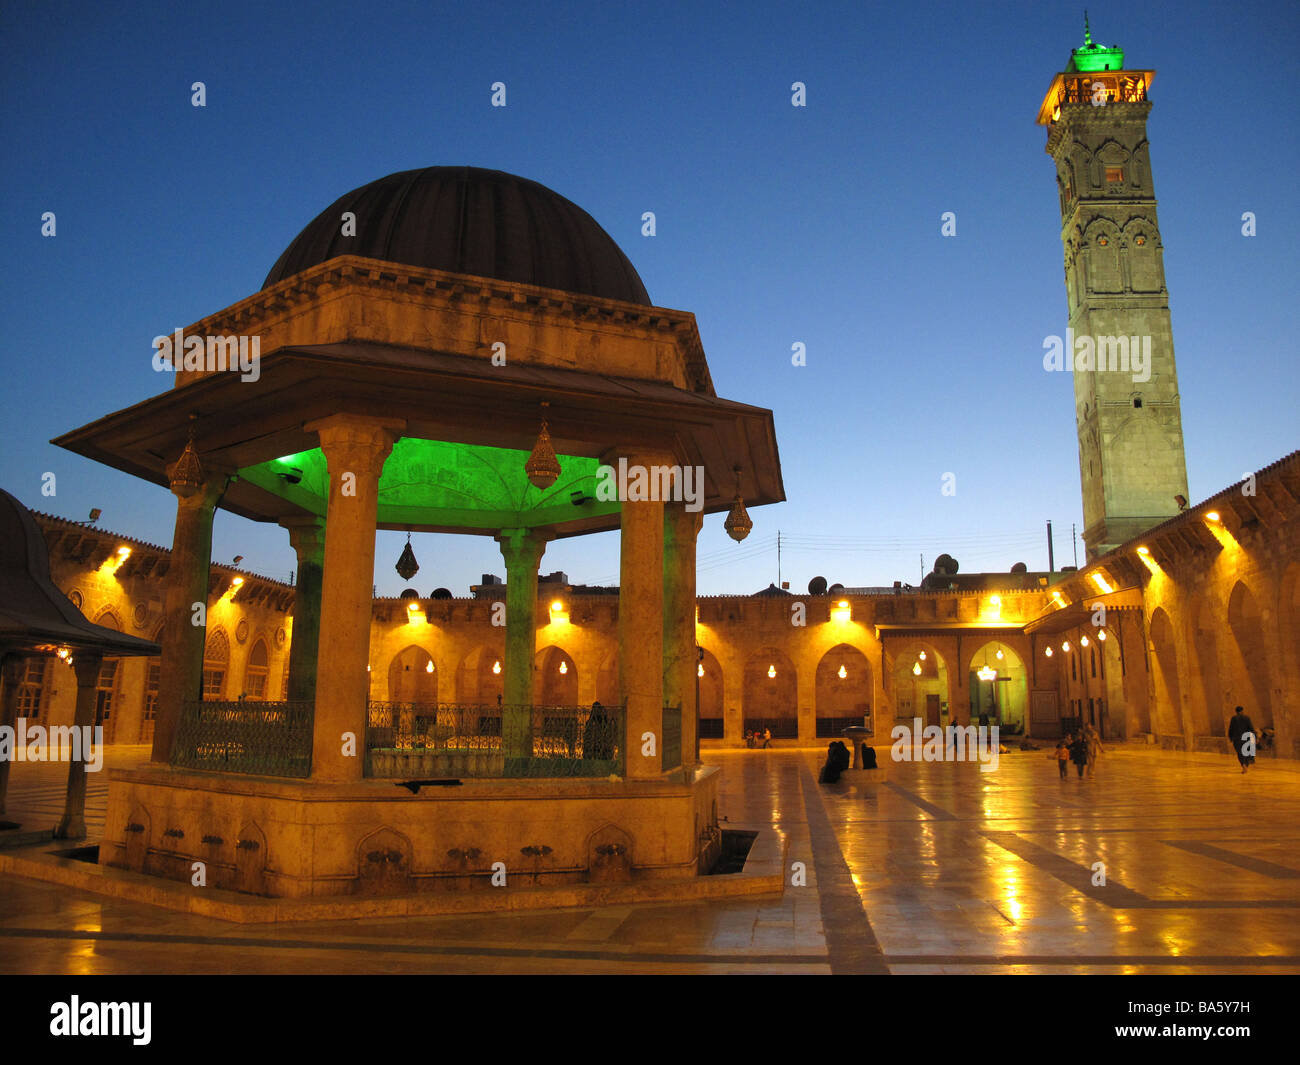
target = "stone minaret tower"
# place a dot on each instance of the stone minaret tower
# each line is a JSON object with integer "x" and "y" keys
{"x": 1130, "y": 425}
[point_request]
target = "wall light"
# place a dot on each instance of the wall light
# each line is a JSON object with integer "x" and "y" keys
{"x": 1000, "y": 655}
{"x": 496, "y": 667}
{"x": 1101, "y": 635}
{"x": 771, "y": 671}
{"x": 699, "y": 672}
{"x": 843, "y": 673}
{"x": 1144, "y": 550}
{"x": 916, "y": 669}
{"x": 1048, "y": 652}
{"x": 564, "y": 667}
{"x": 1211, "y": 515}
{"x": 1066, "y": 647}
{"x": 124, "y": 552}
{"x": 1100, "y": 581}
{"x": 429, "y": 667}
{"x": 921, "y": 656}
{"x": 1083, "y": 641}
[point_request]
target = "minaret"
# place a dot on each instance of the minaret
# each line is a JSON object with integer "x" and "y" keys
{"x": 1131, "y": 462}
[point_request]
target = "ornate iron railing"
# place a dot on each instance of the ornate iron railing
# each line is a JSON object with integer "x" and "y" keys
{"x": 671, "y": 749}
{"x": 411, "y": 741}
{"x": 262, "y": 739}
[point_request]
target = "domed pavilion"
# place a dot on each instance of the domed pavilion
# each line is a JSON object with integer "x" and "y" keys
{"x": 442, "y": 350}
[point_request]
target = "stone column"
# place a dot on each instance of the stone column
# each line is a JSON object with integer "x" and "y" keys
{"x": 307, "y": 535}
{"x": 12, "y": 668}
{"x": 180, "y": 677}
{"x": 86, "y": 666}
{"x": 522, "y": 550}
{"x": 641, "y": 620}
{"x": 680, "y": 659}
{"x": 806, "y": 694}
{"x": 355, "y": 448}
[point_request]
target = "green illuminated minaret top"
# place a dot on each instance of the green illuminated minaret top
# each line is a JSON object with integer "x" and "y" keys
{"x": 1094, "y": 56}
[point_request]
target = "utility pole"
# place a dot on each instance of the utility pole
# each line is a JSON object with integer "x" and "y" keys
{"x": 778, "y": 558}
{"x": 1051, "y": 557}
{"x": 922, "y": 568}
{"x": 1074, "y": 542}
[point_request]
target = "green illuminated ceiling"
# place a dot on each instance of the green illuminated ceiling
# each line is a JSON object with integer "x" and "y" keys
{"x": 437, "y": 484}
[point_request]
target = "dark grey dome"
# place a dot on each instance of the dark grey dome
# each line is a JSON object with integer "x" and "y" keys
{"x": 470, "y": 221}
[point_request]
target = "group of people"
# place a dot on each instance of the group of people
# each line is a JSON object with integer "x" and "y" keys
{"x": 1083, "y": 748}
{"x": 754, "y": 738}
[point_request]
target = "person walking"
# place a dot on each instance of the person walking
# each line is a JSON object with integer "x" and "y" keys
{"x": 1079, "y": 753}
{"x": 1093, "y": 739}
{"x": 1241, "y": 733}
{"x": 1063, "y": 756}
{"x": 767, "y": 738}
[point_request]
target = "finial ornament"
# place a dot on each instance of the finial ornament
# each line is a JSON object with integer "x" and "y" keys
{"x": 1087, "y": 31}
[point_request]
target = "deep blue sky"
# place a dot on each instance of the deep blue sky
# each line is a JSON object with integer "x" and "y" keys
{"x": 775, "y": 225}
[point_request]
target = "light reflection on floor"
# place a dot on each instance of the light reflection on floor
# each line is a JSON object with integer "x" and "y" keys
{"x": 956, "y": 871}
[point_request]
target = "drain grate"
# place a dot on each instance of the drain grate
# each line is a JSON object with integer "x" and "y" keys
{"x": 735, "y": 849}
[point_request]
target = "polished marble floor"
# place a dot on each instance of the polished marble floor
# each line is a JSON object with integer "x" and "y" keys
{"x": 945, "y": 869}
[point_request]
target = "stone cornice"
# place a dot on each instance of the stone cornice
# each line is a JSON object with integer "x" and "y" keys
{"x": 442, "y": 289}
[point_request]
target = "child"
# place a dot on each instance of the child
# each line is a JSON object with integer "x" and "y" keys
{"x": 1062, "y": 756}
{"x": 1079, "y": 752}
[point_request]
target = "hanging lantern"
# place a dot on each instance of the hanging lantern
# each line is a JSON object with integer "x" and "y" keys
{"x": 496, "y": 666}
{"x": 187, "y": 475}
{"x": 406, "y": 566}
{"x": 429, "y": 668}
{"x": 738, "y": 523}
{"x": 699, "y": 672}
{"x": 843, "y": 673}
{"x": 564, "y": 667}
{"x": 542, "y": 467}
{"x": 987, "y": 673}
{"x": 771, "y": 672}
{"x": 916, "y": 669}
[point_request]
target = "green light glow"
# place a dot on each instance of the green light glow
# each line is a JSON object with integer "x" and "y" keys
{"x": 1093, "y": 57}
{"x": 433, "y": 483}
{"x": 1089, "y": 59}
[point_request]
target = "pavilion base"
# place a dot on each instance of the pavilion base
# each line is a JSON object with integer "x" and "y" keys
{"x": 305, "y": 839}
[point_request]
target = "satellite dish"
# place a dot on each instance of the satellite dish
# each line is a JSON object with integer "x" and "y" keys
{"x": 835, "y": 589}
{"x": 440, "y": 593}
{"x": 410, "y": 593}
{"x": 1019, "y": 567}
{"x": 817, "y": 586}
{"x": 945, "y": 564}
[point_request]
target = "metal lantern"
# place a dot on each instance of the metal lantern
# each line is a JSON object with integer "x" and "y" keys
{"x": 542, "y": 467}
{"x": 406, "y": 566}
{"x": 738, "y": 523}
{"x": 187, "y": 475}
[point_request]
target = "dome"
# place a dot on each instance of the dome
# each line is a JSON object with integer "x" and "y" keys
{"x": 470, "y": 221}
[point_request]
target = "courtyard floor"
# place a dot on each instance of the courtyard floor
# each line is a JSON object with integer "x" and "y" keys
{"x": 946, "y": 869}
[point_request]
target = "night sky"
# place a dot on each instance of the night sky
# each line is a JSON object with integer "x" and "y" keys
{"x": 775, "y": 225}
